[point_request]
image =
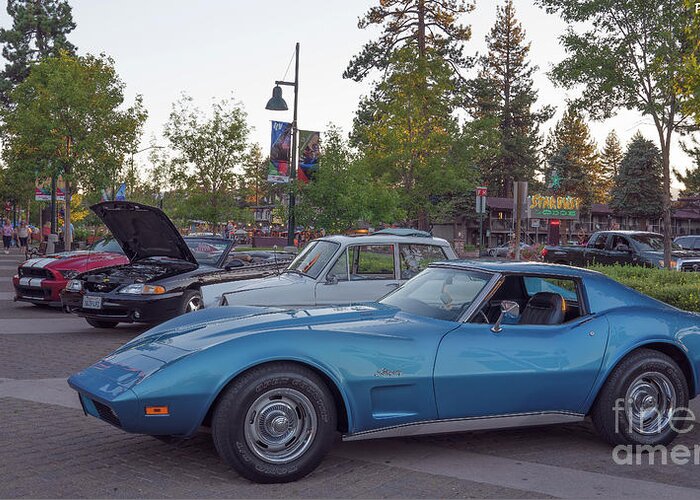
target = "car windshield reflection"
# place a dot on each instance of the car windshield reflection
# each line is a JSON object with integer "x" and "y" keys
{"x": 439, "y": 293}
{"x": 207, "y": 252}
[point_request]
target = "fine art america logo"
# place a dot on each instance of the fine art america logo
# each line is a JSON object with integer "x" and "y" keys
{"x": 679, "y": 420}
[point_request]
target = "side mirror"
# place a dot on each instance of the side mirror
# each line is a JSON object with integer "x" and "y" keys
{"x": 510, "y": 309}
{"x": 331, "y": 279}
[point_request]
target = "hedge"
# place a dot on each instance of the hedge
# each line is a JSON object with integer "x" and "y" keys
{"x": 679, "y": 289}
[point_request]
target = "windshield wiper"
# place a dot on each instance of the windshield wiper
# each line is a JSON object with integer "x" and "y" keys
{"x": 295, "y": 271}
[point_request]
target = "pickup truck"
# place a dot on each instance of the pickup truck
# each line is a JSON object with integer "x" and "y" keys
{"x": 636, "y": 248}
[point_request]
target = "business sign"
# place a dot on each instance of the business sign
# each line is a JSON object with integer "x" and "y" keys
{"x": 554, "y": 207}
{"x": 280, "y": 146}
{"x": 43, "y": 193}
{"x": 481, "y": 200}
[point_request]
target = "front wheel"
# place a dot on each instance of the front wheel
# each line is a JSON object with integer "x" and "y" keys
{"x": 275, "y": 423}
{"x": 191, "y": 301}
{"x": 643, "y": 402}
{"x": 100, "y": 323}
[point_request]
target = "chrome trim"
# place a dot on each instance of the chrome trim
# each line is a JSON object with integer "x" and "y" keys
{"x": 485, "y": 294}
{"x": 468, "y": 424}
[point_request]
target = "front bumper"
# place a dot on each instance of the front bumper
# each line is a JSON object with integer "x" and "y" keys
{"x": 125, "y": 308}
{"x": 38, "y": 290}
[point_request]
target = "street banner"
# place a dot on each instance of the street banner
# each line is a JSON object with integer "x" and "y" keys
{"x": 121, "y": 193}
{"x": 280, "y": 147}
{"x": 481, "y": 200}
{"x": 309, "y": 151}
{"x": 42, "y": 191}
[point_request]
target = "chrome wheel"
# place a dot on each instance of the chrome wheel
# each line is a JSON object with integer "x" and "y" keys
{"x": 280, "y": 425}
{"x": 650, "y": 402}
{"x": 194, "y": 304}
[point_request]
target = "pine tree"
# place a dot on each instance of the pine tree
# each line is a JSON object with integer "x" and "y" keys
{"x": 572, "y": 153}
{"x": 39, "y": 29}
{"x": 425, "y": 24}
{"x": 610, "y": 159}
{"x": 638, "y": 185}
{"x": 504, "y": 90}
{"x": 691, "y": 179}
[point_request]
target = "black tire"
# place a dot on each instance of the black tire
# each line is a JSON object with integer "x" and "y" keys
{"x": 101, "y": 323}
{"x": 191, "y": 301}
{"x": 610, "y": 411}
{"x": 235, "y": 438}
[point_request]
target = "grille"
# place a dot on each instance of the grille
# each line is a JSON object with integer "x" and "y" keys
{"x": 691, "y": 266}
{"x": 25, "y": 291}
{"x": 106, "y": 413}
{"x": 34, "y": 272}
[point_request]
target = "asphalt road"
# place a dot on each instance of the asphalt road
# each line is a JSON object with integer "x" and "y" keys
{"x": 49, "y": 449}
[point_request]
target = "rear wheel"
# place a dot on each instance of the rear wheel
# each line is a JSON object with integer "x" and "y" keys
{"x": 191, "y": 301}
{"x": 101, "y": 323}
{"x": 275, "y": 423}
{"x": 643, "y": 402}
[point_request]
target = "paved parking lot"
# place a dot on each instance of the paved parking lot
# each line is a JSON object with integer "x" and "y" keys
{"x": 49, "y": 449}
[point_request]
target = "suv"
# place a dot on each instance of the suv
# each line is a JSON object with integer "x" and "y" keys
{"x": 688, "y": 242}
{"x": 338, "y": 270}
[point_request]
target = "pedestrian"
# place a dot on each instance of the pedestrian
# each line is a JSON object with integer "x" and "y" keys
{"x": 23, "y": 233}
{"x": 7, "y": 233}
{"x": 46, "y": 230}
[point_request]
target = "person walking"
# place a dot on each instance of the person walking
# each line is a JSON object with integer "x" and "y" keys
{"x": 7, "y": 232}
{"x": 23, "y": 233}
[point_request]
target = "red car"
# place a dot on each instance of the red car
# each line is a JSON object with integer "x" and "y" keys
{"x": 40, "y": 280}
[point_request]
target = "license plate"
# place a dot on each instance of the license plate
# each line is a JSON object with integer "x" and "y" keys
{"x": 90, "y": 302}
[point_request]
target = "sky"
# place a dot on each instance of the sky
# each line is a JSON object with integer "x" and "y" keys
{"x": 215, "y": 49}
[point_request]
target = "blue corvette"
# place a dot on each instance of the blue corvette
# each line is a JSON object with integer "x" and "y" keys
{"x": 462, "y": 346}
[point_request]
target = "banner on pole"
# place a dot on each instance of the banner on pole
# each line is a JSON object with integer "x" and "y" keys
{"x": 121, "y": 193}
{"x": 309, "y": 152}
{"x": 280, "y": 147}
{"x": 42, "y": 191}
{"x": 481, "y": 200}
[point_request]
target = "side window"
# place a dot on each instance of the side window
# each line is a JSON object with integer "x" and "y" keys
{"x": 371, "y": 262}
{"x": 340, "y": 268}
{"x": 415, "y": 258}
{"x": 567, "y": 288}
{"x": 696, "y": 246}
{"x": 619, "y": 240}
{"x": 599, "y": 242}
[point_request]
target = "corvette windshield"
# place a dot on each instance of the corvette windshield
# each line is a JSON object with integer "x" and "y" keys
{"x": 439, "y": 293}
{"x": 314, "y": 258}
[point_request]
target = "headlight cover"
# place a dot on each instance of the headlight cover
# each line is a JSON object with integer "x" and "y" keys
{"x": 74, "y": 286}
{"x": 142, "y": 289}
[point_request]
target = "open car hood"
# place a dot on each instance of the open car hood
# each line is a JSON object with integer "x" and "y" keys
{"x": 143, "y": 231}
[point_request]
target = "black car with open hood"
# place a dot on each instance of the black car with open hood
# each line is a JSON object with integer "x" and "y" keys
{"x": 165, "y": 272}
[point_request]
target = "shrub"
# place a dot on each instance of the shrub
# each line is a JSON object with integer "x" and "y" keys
{"x": 681, "y": 290}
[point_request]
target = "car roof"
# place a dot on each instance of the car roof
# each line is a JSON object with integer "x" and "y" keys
{"x": 374, "y": 239}
{"x": 207, "y": 238}
{"x": 513, "y": 267}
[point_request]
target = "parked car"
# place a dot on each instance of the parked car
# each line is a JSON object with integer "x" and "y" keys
{"x": 449, "y": 351}
{"x": 636, "y": 248}
{"x": 337, "y": 270}
{"x": 40, "y": 280}
{"x": 688, "y": 242}
{"x": 503, "y": 249}
{"x": 164, "y": 274}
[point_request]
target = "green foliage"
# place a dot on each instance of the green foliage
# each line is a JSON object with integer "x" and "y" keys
{"x": 681, "y": 290}
{"x": 610, "y": 159}
{"x": 572, "y": 154}
{"x": 424, "y": 24}
{"x": 342, "y": 193}
{"x": 689, "y": 81}
{"x": 503, "y": 90}
{"x": 210, "y": 149}
{"x": 39, "y": 29}
{"x": 638, "y": 184}
{"x": 691, "y": 179}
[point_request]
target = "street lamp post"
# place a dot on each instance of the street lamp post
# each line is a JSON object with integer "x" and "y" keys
{"x": 277, "y": 103}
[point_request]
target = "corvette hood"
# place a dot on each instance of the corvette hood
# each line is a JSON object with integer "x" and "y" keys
{"x": 206, "y": 328}
{"x": 143, "y": 231}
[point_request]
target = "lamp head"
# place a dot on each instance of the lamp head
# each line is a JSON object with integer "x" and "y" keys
{"x": 276, "y": 102}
